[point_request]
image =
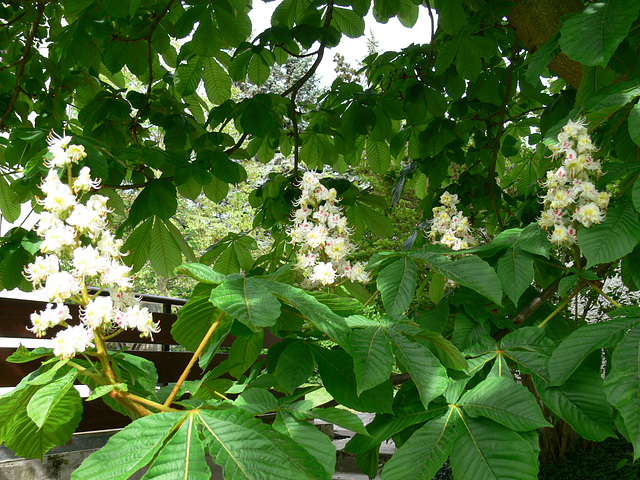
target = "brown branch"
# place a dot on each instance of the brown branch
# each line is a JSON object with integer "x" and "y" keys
{"x": 23, "y": 61}
{"x": 297, "y": 55}
{"x": 433, "y": 34}
{"x": 496, "y": 147}
{"x": 295, "y": 88}
{"x": 238, "y": 144}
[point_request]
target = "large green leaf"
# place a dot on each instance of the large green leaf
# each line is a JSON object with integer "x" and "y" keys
{"x": 622, "y": 385}
{"x": 321, "y": 315}
{"x": 424, "y": 453}
{"x": 201, "y": 273}
{"x": 62, "y": 418}
{"x": 9, "y": 205}
{"x": 397, "y": 282}
{"x": 248, "y": 301}
{"x": 217, "y": 82}
{"x": 312, "y": 440}
{"x": 46, "y": 398}
{"x": 515, "y": 269}
{"x": 164, "y": 253}
{"x": 372, "y": 356}
{"x": 338, "y": 416}
{"x": 182, "y": 457}
{"x": 612, "y": 239}
{"x": 378, "y": 155}
{"x": 471, "y": 272}
{"x": 571, "y": 352}
{"x": 244, "y": 352}
{"x": 384, "y": 426}
{"x": 581, "y": 402}
{"x": 592, "y": 35}
{"x": 336, "y": 369}
{"x": 426, "y": 371}
{"x": 137, "y": 245}
{"x": 235, "y": 443}
{"x": 295, "y": 365}
{"x": 133, "y": 447}
{"x": 506, "y": 402}
{"x": 349, "y": 22}
{"x": 488, "y": 451}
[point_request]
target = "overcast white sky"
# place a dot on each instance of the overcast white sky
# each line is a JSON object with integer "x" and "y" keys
{"x": 390, "y": 36}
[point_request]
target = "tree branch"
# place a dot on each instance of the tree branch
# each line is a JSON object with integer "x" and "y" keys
{"x": 23, "y": 61}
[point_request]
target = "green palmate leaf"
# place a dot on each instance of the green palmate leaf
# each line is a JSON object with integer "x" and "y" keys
{"x": 256, "y": 401}
{"x": 471, "y": 272}
{"x": 515, "y": 269}
{"x": 581, "y": 402}
{"x": 140, "y": 373}
{"x": 337, "y": 372}
{"x": 138, "y": 245}
{"x": 295, "y": 365}
{"x": 378, "y": 155}
{"x": 133, "y": 447}
{"x": 321, "y": 315}
{"x": 244, "y": 352}
{"x": 180, "y": 241}
{"x": 372, "y": 356}
{"x": 385, "y": 426}
{"x": 338, "y": 416}
{"x": 379, "y": 224}
{"x": 194, "y": 319}
{"x": 248, "y": 301}
{"x": 622, "y": 385}
{"x": 397, "y": 282}
{"x": 259, "y": 68}
{"x": 348, "y": 22}
{"x": 424, "y": 453}
{"x": 201, "y": 273}
{"x": 182, "y": 457}
{"x": 62, "y": 418}
{"x": 165, "y": 255}
{"x": 592, "y": 35}
{"x": 505, "y": 402}
{"x": 216, "y": 190}
{"x": 446, "y": 351}
{"x": 46, "y": 398}
{"x": 235, "y": 443}
{"x": 572, "y": 351}
{"x": 23, "y": 355}
{"x": 488, "y": 451}
{"x": 634, "y": 130}
{"x": 426, "y": 371}
{"x": 311, "y": 439}
{"x": 217, "y": 82}
{"x": 9, "y": 206}
{"x": 612, "y": 239}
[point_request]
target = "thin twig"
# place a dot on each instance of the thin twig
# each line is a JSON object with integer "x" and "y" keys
{"x": 23, "y": 61}
{"x": 193, "y": 360}
{"x": 238, "y": 144}
{"x": 433, "y": 34}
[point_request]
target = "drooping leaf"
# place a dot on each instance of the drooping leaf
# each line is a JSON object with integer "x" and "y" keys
{"x": 336, "y": 369}
{"x": 244, "y": 352}
{"x": 426, "y": 371}
{"x": 295, "y": 365}
{"x": 581, "y": 402}
{"x": 134, "y": 447}
{"x": 515, "y": 269}
{"x": 622, "y": 385}
{"x": 593, "y": 34}
{"x": 248, "y": 301}
{"x": 372, "y": 356}
{"x": 424, "y": 453}
{"x": 46, "y": 398}
{"x": 164, "y": 253}
{"x": 612, "y": 239}
{"x": 505, "y": 402}
{"x": 397, "y": 282}
{"x": 486, "y": 450}
{"x": 571, "y": 352}
{"x": 470, "y": 271}
{"x": 311, "y": 439}
{"x": 338, "y": 416}
{"x": 182, "y": 457}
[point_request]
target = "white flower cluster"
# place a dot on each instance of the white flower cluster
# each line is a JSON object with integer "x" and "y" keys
{"x": 80, "y": 251}
{"x": 572, "y": 199}
{"x": 322, "y": 233}
{"x": 449, "y": 226}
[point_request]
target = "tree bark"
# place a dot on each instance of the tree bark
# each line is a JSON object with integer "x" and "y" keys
{"x": 536, "y": 21}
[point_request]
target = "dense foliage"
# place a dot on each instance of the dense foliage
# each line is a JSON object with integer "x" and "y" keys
{"x": 491, "y": 342}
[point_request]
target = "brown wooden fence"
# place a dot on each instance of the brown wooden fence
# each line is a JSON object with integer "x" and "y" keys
{"x": 15, "y": 318}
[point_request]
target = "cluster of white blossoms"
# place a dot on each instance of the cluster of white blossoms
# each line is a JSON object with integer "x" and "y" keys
{"x": 572, "y": 199}
{"x": 79, "y": 251}
{"x": 449, "y": 226}
{"x": 321, "y": 231}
